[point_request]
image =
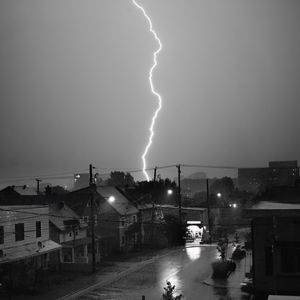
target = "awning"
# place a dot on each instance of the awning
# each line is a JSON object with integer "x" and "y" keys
{"x": 29, "y": 250}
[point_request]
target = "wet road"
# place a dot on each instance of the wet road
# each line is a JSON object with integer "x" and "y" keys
{"x": 186, "y": 269}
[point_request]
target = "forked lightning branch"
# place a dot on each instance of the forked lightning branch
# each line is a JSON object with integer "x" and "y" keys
{"x": 151, "y": 128}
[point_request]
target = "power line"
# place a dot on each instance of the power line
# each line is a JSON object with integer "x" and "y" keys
{"x": 70, "y": 174}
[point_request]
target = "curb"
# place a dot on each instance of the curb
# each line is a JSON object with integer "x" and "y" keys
{"x": 211, "y": 282}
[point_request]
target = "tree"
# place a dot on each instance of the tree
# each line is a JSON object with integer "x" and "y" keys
{"x": 156, "y": 191}
{"x": 120, "y": 178}
{"x": 55, "y": 190}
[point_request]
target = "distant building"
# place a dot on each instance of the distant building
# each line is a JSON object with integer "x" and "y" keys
{"x": 188, "y": 214}
{"x": 189, "y": 187}
{"x": 276, "y": 248}
{"x": 278, "y": 173}
{"x": 81, "y": 180}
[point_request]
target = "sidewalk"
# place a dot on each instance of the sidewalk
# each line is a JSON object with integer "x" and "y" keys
{"x": 71, "y": 285}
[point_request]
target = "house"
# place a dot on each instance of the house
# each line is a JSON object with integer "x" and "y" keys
{"x": 276, "y": 248}
{"x": 117, "y": 218}
{"x": 80, "y": 202}
{"x": 71, "y": 233}
{"x": 25, "y": 244}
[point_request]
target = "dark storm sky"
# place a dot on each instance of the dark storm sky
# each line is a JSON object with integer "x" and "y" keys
{"x": 74, "y": 83}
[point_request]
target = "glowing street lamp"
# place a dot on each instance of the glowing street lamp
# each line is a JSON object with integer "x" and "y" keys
{"x": 111, "y": 199}
{"x": 170, "y": 192}
{"x": 219, "y": 195}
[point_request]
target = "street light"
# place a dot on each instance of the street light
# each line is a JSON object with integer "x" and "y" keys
{"x": 170, "y": 192}
{"x": 219, "y": 195}
{"x": 111, "y": 199}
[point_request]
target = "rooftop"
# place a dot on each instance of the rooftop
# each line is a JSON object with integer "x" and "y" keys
{"x": 121, "y": 204}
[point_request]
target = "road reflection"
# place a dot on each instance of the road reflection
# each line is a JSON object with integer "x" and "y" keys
{"x": 193, "y": 253}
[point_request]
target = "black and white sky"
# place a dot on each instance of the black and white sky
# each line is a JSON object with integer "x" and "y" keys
{"x": 74, "y": 84}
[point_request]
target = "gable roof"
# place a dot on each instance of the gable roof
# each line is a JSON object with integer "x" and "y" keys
{"x": 121, "y": 204}
{"x": 60, "y": 213}
{"x": 9, "y": 196}
{"x": 78, "y": 200}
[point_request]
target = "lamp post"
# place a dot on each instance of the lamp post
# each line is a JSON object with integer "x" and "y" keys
{"x": 208, "y": 211}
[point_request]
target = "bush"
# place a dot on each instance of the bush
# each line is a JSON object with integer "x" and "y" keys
{"x": 222, "y": 269}
{"x": 168, "y": 295}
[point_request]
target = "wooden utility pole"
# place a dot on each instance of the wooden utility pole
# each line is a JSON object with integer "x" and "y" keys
{"x": 153, "y": 207}
{"x": 208, "y": 211}
{"x": 92, "y": 188}
{"x": 179, "y": 195}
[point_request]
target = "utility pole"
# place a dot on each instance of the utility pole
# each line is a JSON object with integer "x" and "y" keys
{"x": 153, "y": 208}
{"x": 92, "y": 188}
{"x": 179, "y": 195}
{"x": 38, "y": 185}
{"x": 208, "y": 210}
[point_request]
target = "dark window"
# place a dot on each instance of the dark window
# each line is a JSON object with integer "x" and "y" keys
{"x": 19, "y": 231}
{"x": 38, "y": 229}
{"x": 269, "y": 260}
{"x": 290, "y": 260}
{"x": 1, "y": 235}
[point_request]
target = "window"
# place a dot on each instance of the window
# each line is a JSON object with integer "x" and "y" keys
{"x": 95, "y": 219}
{"x": 122, "y": 222}
{"x": 1, "y": 235}
{"x": 19, "y": 231}
{"x": 38, "y": 229}
{"x": 290, "y": 260}
{"x": 123, "y": 240}
{"x": 134, "y": 219}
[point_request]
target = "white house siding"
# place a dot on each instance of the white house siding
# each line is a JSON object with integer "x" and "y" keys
{"x": 65, "y": 236}
{"x": 29, "y": 215}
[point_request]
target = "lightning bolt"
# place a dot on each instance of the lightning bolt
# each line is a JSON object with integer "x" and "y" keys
{"x": 151, "y": 129}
